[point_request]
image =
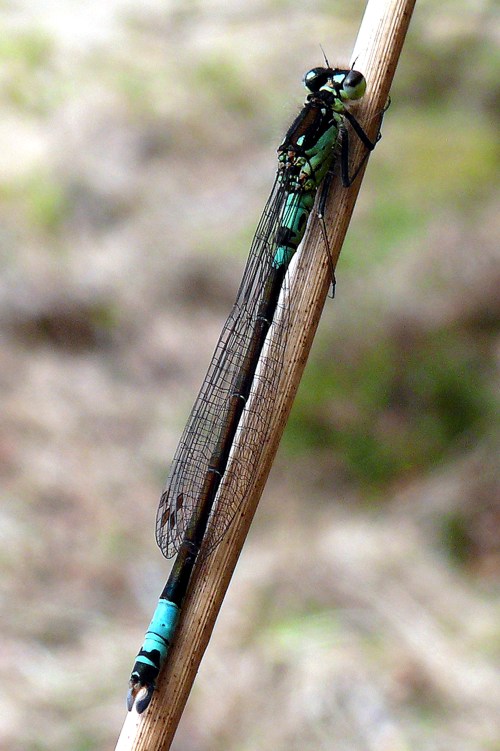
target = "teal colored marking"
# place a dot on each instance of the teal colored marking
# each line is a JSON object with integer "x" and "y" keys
{"x": 283, "y": 256}
{"x": 298, "y": 206}
{"x": 160, "y": 631}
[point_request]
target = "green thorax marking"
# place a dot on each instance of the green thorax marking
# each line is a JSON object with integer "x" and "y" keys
{"x": 307, "y": 151}
{"x": 304, "y": 158}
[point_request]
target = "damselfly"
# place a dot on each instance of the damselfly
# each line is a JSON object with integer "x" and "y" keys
{"x": 191, "y": 519}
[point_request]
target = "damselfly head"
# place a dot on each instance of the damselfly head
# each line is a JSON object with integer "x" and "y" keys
{"x": 315, "y": 78}
{"x": 347, "y": 84}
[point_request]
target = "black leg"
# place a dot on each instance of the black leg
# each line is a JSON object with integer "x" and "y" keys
{"x": 323, "y": 196}
{"x": 370, "y": 145}
{"x": 348, "y": 180}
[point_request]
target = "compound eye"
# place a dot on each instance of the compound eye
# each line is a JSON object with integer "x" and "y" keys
{"x": 315, "y": 78}
{"x": 354, "y": 85}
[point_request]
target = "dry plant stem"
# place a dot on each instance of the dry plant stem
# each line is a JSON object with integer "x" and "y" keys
{"x": 376, "y": 54}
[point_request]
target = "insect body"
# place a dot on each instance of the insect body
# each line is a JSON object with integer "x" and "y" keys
{"x": 192, "y": 516}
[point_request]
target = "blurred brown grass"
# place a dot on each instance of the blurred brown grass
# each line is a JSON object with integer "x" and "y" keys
{"x": 137, "y": 151}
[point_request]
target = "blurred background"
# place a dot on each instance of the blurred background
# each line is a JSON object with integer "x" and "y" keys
{"x": 138, "y": 150}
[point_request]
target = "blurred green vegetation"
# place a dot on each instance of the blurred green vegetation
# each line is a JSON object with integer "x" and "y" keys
{"x": 38, "y": 200}
{"x": 137, "y": 153}
{"x": 397, "y": 407}
{"x": 29, "y": 78}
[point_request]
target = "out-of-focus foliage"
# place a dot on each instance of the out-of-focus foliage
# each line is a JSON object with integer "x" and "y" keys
{"x": 138, "y": 146}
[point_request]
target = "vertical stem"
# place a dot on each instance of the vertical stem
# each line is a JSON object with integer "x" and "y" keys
{"x": 376, "y": 53}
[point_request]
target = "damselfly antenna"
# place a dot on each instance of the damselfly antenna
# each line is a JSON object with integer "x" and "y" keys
{"x": 324, "y": 55}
